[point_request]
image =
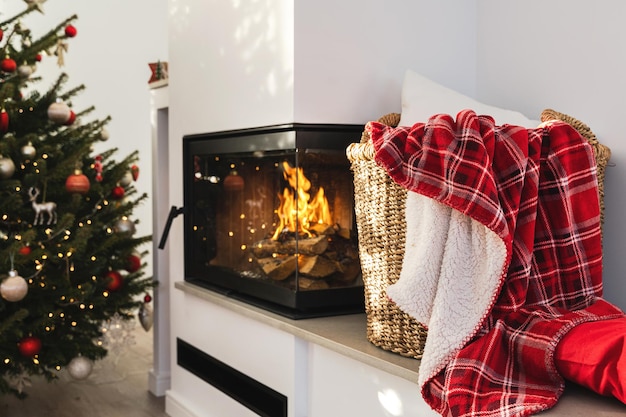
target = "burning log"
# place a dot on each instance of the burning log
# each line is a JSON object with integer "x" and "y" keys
{"x": 306, "y": 243}
{"x": 333, "y": 260}
{"x": 311, "y": 246}
{"x": 322, "y": 229}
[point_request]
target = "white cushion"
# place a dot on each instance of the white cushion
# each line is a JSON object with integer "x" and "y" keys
{"x": 422, "y": 98}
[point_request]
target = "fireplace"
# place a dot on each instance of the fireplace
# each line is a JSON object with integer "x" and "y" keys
{"x": 269, "y": 217}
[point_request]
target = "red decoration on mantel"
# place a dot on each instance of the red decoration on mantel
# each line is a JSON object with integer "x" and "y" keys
{"x": 159, "y": 72}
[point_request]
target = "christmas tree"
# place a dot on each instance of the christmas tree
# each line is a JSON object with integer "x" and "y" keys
{"x": 70, "y": 265}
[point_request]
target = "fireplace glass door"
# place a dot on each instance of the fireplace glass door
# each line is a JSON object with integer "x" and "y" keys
{"x": 269, "y": 218}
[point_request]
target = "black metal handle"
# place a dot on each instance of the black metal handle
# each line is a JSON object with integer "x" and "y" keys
{"x": 174, "y": 212}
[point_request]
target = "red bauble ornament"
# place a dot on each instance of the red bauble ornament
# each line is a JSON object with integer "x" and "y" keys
{"x": 147, "y": 298}
{"x": 1, "y": 34}
{"x": 134, "y": 170}
{"x": 115, "y": 280}
{"x": 233, "y": 182}
{"x": 77, "y": 183}
{"x": 38, "y": 57}
{"x": 4, "y": 121}
{"x": 29, "y": 346}
{"x": 70, "y": 120}
{"x": 133, "y": 263}
{"x": 25, "y": 250}
{"x": 70, "y": 31}
{"x": 117, "y": 192}
{"x": 8, "y": 65}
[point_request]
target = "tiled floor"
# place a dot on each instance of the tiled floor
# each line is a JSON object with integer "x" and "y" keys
{"x": 117, "y": 387}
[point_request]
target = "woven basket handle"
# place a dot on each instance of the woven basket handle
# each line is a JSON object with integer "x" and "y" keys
{"x": 391, "y": 119}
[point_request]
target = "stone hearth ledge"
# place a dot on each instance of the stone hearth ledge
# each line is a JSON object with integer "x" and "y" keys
{"x": 346, "y": 335}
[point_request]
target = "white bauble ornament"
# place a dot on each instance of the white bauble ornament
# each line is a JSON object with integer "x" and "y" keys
{"x": 127, "y": 179}
{"x": 104, "y": 135}
{"x": 13, "y": 288}
{"x": 25, "y": 71}
{"x": 59, "y": 112}
{"x": 80, "y": 367}
{"x": 124, "y": 225}
{"x": 29, "y": 151}
{"x": 146, "y": 317}
{"x": 7, "y": 168}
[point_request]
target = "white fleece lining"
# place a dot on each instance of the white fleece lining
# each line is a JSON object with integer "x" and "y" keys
{"x": 450, "y": 277}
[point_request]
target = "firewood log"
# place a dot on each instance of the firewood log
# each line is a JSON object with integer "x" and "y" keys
{"x": 278, "y": 268}
{"x": 316, "y": 266}
{"x": 312, "y": 284}
{"x": 312, "y": 246}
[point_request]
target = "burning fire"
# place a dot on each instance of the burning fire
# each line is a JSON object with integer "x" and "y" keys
{"x": 297, "y": 211}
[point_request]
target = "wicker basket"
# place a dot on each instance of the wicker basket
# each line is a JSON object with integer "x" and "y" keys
{"x": 379, "y": 206}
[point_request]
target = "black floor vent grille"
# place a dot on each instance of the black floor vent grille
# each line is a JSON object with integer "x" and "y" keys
{"x": 249, "y": 392}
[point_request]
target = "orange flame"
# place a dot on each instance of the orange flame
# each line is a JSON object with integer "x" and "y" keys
{"x": 297, "y": 211}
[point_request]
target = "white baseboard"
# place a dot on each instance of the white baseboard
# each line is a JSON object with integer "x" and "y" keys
{"x": 159, "y": 383}
{"x": 175, "y": 408}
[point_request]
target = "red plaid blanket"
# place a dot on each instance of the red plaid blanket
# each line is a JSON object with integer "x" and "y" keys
{"x": 537, "y": 190}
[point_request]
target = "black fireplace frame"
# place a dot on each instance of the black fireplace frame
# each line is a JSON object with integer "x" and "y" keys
{"x": 296, "y": 137}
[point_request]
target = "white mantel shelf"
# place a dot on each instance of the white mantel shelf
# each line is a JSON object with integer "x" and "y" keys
{"x": 346, "y": 335}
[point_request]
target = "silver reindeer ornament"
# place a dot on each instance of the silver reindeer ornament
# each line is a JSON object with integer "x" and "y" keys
{"x": 40, "y": 208}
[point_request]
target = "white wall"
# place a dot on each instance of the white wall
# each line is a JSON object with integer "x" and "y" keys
{"x": 231, "y": 64}
{"x": 350, "y": 56}
{"x": 115, "y": 42}
{"x": 566, "y": 55}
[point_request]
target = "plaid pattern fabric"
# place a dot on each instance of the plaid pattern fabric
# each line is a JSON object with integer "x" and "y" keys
{"x": 537, "y": 190}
